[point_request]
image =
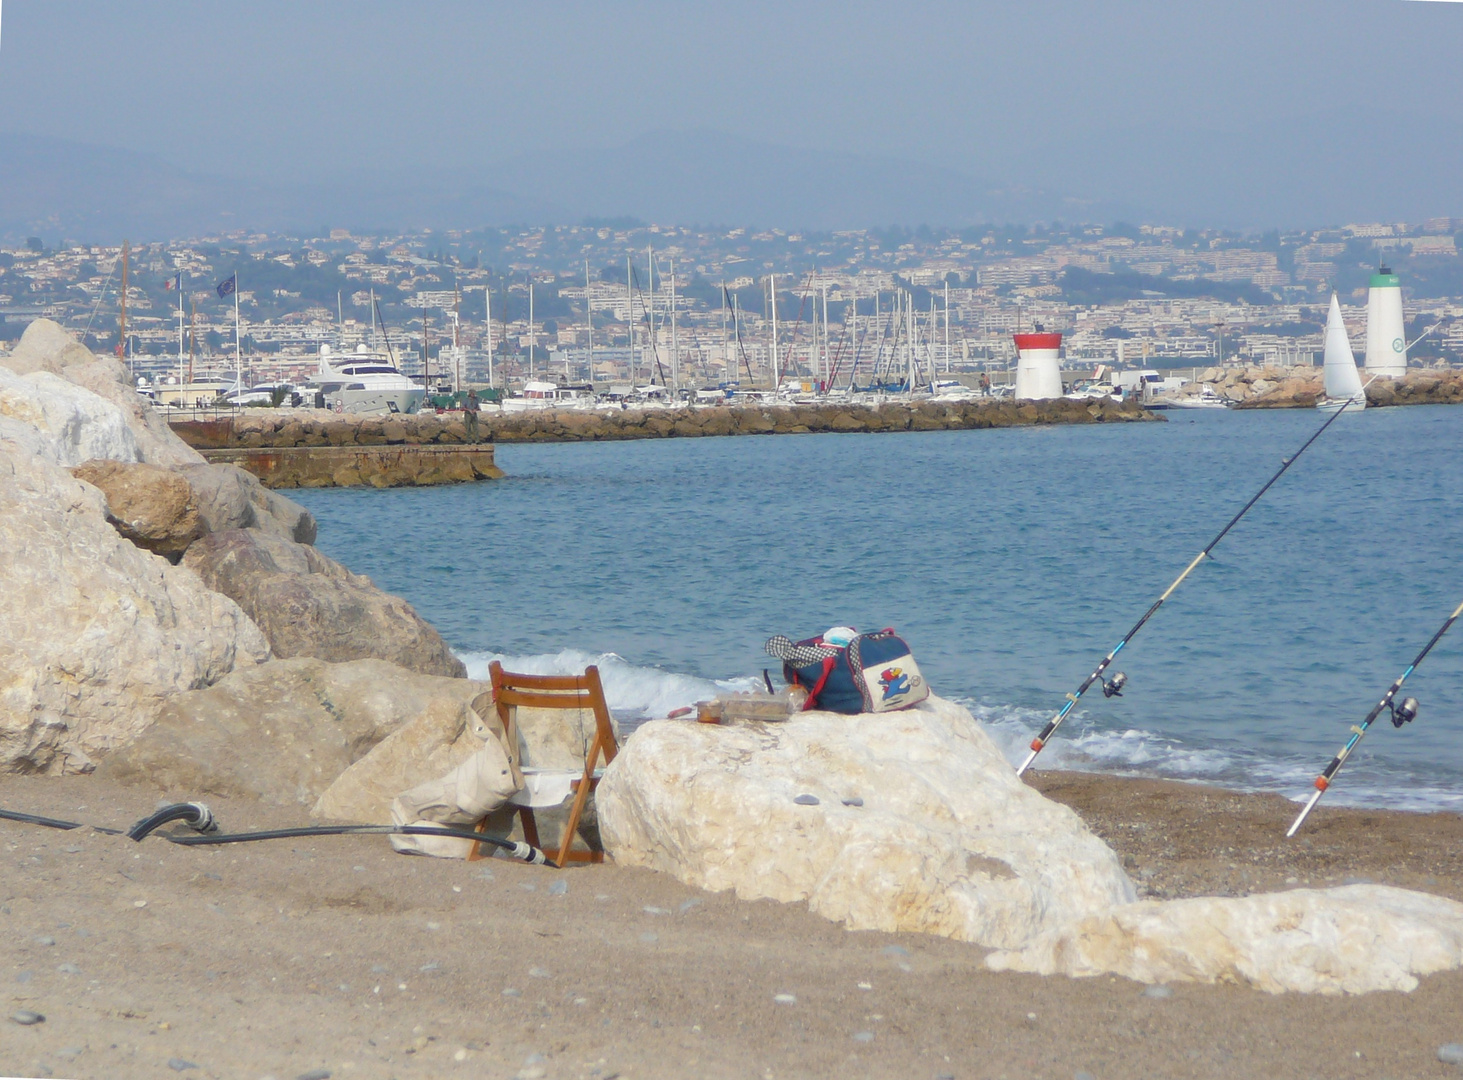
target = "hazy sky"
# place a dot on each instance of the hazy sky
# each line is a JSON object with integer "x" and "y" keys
{"x": 1255, "y": 112}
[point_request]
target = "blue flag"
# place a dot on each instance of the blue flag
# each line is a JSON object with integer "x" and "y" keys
{"x": 226, "y": 286}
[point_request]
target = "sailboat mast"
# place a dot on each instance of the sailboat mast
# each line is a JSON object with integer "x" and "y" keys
{"x": 775, "y": 373}
{"x": 178, "y": 284}
{"x": 589, "y": 321}
{"x": 947, "y": 327}
{"x": 488, "y": 316}
{"x": 675, "y": 339}
{"x": 122, "y": 324}
{"x": 630, "y": 319}
{"x": 192, "y": 334}
{"x": 725, "y": 343}
{"x": 532, "y": 338}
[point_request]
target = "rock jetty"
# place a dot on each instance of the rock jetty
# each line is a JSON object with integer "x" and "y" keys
{"x": 278, "y": 429}
{"x": 1301, "y": 387}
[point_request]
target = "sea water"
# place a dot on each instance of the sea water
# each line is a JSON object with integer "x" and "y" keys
{"x": 1011, "y": 560}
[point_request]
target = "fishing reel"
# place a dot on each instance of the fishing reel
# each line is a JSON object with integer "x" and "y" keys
{"x": 1114, "y": 687}
{"x": 1404, "y": 713}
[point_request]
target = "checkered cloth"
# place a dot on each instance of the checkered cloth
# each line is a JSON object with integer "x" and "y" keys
{"x": 789, "y": 652}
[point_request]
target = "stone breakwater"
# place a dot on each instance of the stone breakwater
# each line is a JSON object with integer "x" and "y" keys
{"x": 279, "y": 429}
{"x": 1301, "y": 387}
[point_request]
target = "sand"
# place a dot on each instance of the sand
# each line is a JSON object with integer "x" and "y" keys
{"x": 298, "y": 958}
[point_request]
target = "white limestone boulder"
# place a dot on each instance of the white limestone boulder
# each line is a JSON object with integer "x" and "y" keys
{"x": 68, "y": 424}
{"x": 946, "y": 840}
{"x": 1352, "y": 940}
{"x": 46, "y": 350}
{"x": 94, "y": 632}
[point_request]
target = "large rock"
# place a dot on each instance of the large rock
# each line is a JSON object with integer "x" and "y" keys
{"x": 45, "y": 346}
{"x": 434, "y": 743}
{"x": 946, "y": 839}
{"x": 284, "y": 731}
{"x": 1351, "y": 940}
{"x": 153, "y": 507}
{"x": 310, "y": 605}
{"x": 94, "y": 632}
{"x": 43, "y": 415}
{"x": 108, "y": 379}
{"x": 230, "y": 498}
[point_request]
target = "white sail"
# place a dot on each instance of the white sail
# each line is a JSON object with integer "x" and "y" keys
{"x": 1339, "y": 372}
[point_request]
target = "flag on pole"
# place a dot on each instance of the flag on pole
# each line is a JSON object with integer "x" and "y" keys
{"x": 226, "y": 286}
{"x": 174, "y": 283}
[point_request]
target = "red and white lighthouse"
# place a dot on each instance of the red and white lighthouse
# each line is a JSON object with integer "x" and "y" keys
{"x": 1038, "y": 367}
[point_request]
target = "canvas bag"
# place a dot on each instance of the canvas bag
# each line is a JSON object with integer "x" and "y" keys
{"x": 874, "y": 672}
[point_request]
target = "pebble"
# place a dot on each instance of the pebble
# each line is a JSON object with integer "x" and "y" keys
{"x": 25, "y": 1018}
{"x": 45, "y": 939}
{"x": 510, "y": 992}
{"x": 71, "y": 1051}
{"x": 853, "y": 801}
{"x": 378, "y": 969}
{"x": 806, "y": 800}
{"x": 537, "y": 973}
{"x": 433, "y": 966}
{"x": 314, "y": 1074}
{"x": 656, "y": 910}
{"x": 785, "y": 999}
{"x": 142, "y": 904}
{"x": 687, "y": 905}
{"x": 1451, "y": 1053}
{"x": 180, "y": 1065}
{"x": 863, "y": 1036}
{"x": 865, "y": 986}
{"x": 1159, "y": 992}
{"x": 68, "y": 969}
{"x": 558, "y": 888}
{"x": 533, "y": 1068}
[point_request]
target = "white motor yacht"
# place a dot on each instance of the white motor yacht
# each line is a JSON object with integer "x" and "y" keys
{"x": 547, "y": 395}
{"x": 363, "y": 383}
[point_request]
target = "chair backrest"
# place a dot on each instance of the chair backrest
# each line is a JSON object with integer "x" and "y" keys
{"x": 578, "y": 692}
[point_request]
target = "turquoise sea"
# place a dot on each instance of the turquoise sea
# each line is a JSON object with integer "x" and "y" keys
{"x": 1012, "y": 560}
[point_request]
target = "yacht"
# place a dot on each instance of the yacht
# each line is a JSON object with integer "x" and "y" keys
{"x": 363, "y": 383}
{"x": 1207, "y": 398}
{"x": 547, "y": 395}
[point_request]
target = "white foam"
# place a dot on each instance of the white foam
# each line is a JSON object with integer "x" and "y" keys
{"x": 633, "y": 691}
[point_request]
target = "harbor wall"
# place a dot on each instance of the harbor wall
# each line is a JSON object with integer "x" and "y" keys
{"x": 358, "y": 466}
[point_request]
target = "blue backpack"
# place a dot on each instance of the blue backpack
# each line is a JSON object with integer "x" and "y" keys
{"x": 873, "y": 673}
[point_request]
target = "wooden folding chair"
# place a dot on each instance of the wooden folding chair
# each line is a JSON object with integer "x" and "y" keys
{"x": 549, "y": 787}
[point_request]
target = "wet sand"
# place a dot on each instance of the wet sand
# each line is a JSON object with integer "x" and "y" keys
{"x": 294, "y": 958}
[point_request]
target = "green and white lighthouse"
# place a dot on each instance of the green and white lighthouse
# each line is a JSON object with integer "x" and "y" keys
{"x": 1386, "y": 343}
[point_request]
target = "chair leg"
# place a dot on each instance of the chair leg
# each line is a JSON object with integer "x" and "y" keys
{"x": 581, "y": 796}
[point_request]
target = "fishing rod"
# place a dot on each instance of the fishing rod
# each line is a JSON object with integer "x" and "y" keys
{"x": 1403, "y": 712}
{"x": 1114, "y": 687}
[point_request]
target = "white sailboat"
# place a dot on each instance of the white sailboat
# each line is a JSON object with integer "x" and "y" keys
{"x": 1339, "y": 374}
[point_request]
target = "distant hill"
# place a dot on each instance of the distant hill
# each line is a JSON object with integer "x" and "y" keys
{"x": 59, "y": 189}
{"x": 1081, "y": 286}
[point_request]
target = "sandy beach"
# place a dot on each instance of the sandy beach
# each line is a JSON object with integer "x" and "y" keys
{"x": 334, "y": 955}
